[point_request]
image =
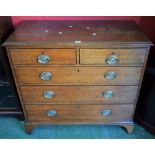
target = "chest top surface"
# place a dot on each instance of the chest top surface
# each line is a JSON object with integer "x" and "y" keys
{"x": 77, "y": 33}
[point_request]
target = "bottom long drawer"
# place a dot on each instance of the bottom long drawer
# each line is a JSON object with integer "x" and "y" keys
{"x": 79, "y": 113}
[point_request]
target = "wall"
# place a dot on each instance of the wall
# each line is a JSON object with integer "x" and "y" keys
{"x": 17, "y": 19}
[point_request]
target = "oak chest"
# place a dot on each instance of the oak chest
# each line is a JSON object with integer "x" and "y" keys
{"x": 81, "y": 72}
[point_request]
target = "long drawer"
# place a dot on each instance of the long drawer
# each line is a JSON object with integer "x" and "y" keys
{"x": 80, "y": 94}
{"x": 102, "y": 56}
{"x": 78, "y": 75}
{"x": 79, "y": 113}
{"x": 43, "y": 56}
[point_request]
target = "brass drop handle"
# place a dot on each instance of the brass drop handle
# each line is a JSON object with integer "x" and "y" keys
{"x": 48, "y": 94}
{"x": 110, "y": 75}
{"x": 51, "y": 113}
{"x": 46, "y": 76}
{"x": 108, "y": 94}
{"x": 43, "y": 59}
{"x": 106, "y": 112}
{"x": 112, "y": 59}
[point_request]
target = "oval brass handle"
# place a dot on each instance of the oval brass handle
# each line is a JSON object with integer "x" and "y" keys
{"x": 48, "y": 94}
{"x": 51, "y": 113}
{"x": 112, "y": 59}
{"x": 46, "y": 75}
{"x": 106, "y": 112}
{"x": 110, "y": 75}
{"x": 43, "y": 59}
{"x": 108, "y": 94}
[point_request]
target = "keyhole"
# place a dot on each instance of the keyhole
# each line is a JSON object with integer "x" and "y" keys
{"x": 78, "y": 70}
{"x": 43, "y": 52}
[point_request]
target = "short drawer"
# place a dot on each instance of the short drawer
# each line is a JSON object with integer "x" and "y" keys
{"x": 112, "y": 56}
{"x": 80, "y": 94}
{"x": 79, "y": 113}
{"x": 43, "y": 56}
{"x": 78, "y": 75}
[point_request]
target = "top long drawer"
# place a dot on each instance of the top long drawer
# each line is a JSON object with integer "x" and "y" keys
{"x": 112, "y": 56}
{"x": 43, "y": 56}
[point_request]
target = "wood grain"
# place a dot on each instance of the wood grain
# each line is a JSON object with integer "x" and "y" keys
{"x": 78, "y": 75}
{"x": 57, "y": 56}
{"x": 78, "y": 70}
{"x": 46, "y": 33}
{"x": 80, "y": 94}
{"x": 126, "y": 56}
{"x": 79, "y": 113}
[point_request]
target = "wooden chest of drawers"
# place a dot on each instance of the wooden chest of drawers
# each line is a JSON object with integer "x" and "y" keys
{"x": 85, "y": 72}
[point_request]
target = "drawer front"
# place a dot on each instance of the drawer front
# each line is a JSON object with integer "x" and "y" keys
{"x": 79, "y": 113}
{"x": 73, "y": 94}
{"x": 124, "y": 56}
{"x": 43, "y": 56}
{"x": 78, "y": 75}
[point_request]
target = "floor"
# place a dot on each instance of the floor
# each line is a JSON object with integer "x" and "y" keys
{"x": 12, "y": 128}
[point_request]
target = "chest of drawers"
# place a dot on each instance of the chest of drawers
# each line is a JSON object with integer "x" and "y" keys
{"x": 78, "y": 72}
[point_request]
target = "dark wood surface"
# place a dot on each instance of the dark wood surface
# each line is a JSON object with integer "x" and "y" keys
{"x": 9, "y": 102}
{"x": 48, "y": 33}
{"x": 6, "y": 28}
{"x": 144, "y": 114}
{"x": 78, "y": 75}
